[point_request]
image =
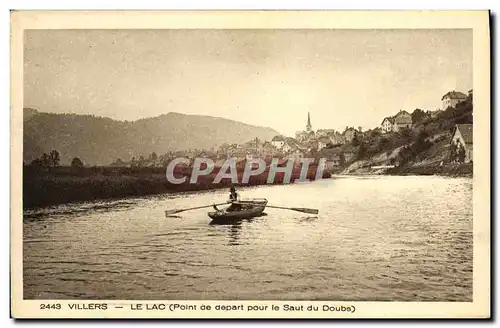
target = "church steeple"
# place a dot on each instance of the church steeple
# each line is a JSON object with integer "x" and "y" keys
{"x": 308, "y": 126}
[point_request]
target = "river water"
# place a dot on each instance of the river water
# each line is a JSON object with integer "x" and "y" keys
{"x": 375, "y": 238}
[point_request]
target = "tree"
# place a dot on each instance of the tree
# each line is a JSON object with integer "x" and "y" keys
{"x": 45, "y": 160}
{"x": 382, "y": 143}
{"x": 154, "y": 157}
{"x": 375, "y": 133}
{"x": 361, "y": 151}
{"x": 418, "y": 115}
{"x": 54, "y": 158}
{"x": 133, "y": 162}
{"x": 421, "y": 144}
{"x": 76, "y": 163}
{"x": 119, "y": 162}
{"x": 355, "y": 140}
{"x": 405, "y": 155}
{"x": 406, "y": 134}
{"x": 36, "y": 162}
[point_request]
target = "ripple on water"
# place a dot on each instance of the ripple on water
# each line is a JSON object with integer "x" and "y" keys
{"x": 376, "y": 238}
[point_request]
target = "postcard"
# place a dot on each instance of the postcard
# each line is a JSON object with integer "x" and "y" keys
{"x": 250, "y": 164}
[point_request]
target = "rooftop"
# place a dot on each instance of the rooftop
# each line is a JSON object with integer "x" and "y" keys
{"x": 455, "y": 95}
{"x": 278, "y": 138}
{"x": 465, "y": 131}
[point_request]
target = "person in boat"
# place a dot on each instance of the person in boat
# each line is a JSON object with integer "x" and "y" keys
{"x": 233, "y": 198}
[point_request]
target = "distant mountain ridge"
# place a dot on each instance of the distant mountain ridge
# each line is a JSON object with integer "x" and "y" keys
{"x": 101, "y": 140}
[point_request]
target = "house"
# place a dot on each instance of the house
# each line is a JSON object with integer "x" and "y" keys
{"x": 333, "y": 156}
{"x": 461, "y": 142}
{"x": 337, "y": 139}
{"x": 397, "y": 122}
{"x": 402, "y": 120}
{"x": 325, "y": 132}
{"x": 451, "y": 99}
{"x": 286, "y": 147}
{"x": 323, "y": 142}
{"x": 291, "y": 142}
{"x": 294, "y": 149}
{"x": 387, "y": 125}
{"x": 278, "y": 142}
{"x": 434, "y": 113}
{"x": 349, "y": 134}
{"x": 301, "y": 136}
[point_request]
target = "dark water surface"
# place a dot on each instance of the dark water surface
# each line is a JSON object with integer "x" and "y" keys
{"x": 375, "y": 238}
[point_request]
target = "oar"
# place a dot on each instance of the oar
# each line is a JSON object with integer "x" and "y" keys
{"x": 298, "y": 209}
{"x": 170, "y": 212}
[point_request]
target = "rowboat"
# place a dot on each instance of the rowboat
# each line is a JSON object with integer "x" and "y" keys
{"x": 238, "y": 210}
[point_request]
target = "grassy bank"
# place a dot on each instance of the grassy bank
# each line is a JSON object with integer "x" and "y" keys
{"x": 65, "y": 185}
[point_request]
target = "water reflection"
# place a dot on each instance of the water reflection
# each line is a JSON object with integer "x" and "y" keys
{"x": 234, "y": 226}
{"x": 235, "y": 234}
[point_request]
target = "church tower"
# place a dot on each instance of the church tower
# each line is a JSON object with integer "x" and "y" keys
{"x": 308, "y": 126}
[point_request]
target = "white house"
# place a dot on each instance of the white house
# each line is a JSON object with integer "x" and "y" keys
{"x": 387, "y": 124}
{"x": 451, "y": 99}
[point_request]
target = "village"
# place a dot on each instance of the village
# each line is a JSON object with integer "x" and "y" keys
{"x": 338, "y": 148}
{"x": 416, "y": 143}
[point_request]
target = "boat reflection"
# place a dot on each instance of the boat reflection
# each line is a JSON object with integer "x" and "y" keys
{"x": 235, "y": 227}
{"x": 234, "y": 230}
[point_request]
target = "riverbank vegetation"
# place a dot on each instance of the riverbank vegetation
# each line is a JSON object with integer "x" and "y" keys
{"x": 45, "y": 184}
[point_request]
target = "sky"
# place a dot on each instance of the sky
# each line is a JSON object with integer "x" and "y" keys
{"x": 268, "y": 78}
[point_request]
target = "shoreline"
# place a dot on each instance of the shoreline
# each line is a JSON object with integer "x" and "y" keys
{"x": 449, "y": 170}
{"x": 60, "y": 187}
{"x": 165, "y": 189}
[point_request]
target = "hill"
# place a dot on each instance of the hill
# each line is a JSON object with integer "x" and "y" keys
{"x": 101, "y": 140}
{"x": 423, "y": 149}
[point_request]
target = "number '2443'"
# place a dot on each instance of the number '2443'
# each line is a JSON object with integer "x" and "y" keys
{"x": 55, "y": 306}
